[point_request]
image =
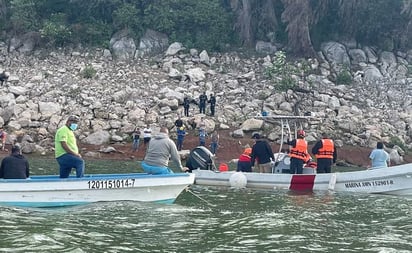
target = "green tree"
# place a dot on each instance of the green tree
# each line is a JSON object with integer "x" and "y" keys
{"x": 281, "y": 73}
{"x": 203, "y": 24}
{"x": 24, "y": 16}
{"x": 92, "y": 32}
{"x": 127, "y": 16}
{"x": 55, "y": 30}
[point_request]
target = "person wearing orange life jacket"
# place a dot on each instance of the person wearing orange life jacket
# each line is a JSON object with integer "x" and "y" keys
{"x": 325, "y": 153}
{"x": 298, "y": 153}
{"x": 244, "y": 163}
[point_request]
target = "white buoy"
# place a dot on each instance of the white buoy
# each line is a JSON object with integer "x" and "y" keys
{"x": 238, "y": 180}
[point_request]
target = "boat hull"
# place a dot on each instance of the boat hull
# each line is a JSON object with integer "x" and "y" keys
{"x": 52, "y": 191}
{"x": 396, "y": 180}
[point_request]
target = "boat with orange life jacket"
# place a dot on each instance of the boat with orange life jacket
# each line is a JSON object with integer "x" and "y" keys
{"x": 396, "y": 180}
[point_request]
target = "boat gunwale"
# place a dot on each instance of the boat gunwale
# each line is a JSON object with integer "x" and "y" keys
{"x": 88, "y": 177}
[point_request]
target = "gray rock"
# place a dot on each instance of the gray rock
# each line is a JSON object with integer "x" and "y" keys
{"x": 99, "y": 137}
{"x": 174, "y": 48}
{"x": 152, "y": 42}
{"x": 122, "y": 46}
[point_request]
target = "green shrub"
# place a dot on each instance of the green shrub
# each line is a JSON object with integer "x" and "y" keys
{"x": 55, "y": 30}
{"x": 410, "y": 70}
{"x": 344, "y": 77}
{"x": 88, "y": 72}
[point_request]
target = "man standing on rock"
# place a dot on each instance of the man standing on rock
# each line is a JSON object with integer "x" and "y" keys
{"x": 147, "y": 135}
{"x": 66, "y": 149}
{"x": 212, "y": 102}
{"x": 186, "y": 105}
{"x": 202, "y": 103}
{"x": 178, "y": 122}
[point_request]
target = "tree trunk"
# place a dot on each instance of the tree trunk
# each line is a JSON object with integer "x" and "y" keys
{"x": 298, "y": 14}
{"x": 242, "y": 9}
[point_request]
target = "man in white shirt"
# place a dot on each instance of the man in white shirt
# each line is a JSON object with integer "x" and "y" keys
{"x": 147, "y": 135}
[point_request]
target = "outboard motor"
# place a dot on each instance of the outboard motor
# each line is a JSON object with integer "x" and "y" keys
{"x": 282, "y": 164}
{"x": 200, "y": 158}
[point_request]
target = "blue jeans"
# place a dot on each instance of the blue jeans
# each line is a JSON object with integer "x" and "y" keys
{"x": 149, "y": 169}
{"x": 213, "y": 147}
{"x": 135, "y": 144}
{"x": 179, "y": 144}
{"x": 67, "y": 162}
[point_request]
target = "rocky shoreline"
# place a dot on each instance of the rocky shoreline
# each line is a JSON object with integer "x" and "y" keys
{"x": 45, "y": 87}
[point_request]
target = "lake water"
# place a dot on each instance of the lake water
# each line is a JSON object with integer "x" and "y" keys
{"x": 210, "y": 219}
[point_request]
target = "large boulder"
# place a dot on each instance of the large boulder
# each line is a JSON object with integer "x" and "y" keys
{"x": 336, "y": 54}
{"x": 175, "y": 48}
{"x": 26, "y": 43}
{"x": 122, "y": 46}
{"x": 99, "y": 137}
{"x": 265, "y": 47}
{"x": 372, "y": 73}
{"x": 152, "y": 42}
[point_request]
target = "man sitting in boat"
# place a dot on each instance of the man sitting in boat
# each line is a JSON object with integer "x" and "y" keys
{"x": 298, "y": 153}
{"x": 14, "y": 166}
{"x": 262, "y": 153}
{"x": 160, "y": 148}
{"x": 379, "y": 157}
{"x": 66, "y": 149}
{"x": 244, "y": 163}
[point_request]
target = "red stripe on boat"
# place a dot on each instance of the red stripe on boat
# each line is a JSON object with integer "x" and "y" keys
{"x": 302, "y": 182}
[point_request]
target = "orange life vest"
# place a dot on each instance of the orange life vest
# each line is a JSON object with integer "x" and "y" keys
{"x": 327, "y": 149}
{"x": 300, "y": 150}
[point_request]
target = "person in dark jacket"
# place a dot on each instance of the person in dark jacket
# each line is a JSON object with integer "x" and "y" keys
{"x": 178, "y": 122}
{"x": 202, "y": 103}
{"x": 186, "y": 106}
{"x": 14, "y": 166}
{"x": 262, "y": 153}
{"x": 244, "y": 163}
{"x": 325, "y": 153}
{"x": 212, "y": 102}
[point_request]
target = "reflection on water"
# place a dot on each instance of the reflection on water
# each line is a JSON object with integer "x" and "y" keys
{"x": 217, "y": 220}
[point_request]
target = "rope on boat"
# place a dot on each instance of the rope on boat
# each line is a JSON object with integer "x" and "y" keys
{"x": 197, "y": 196}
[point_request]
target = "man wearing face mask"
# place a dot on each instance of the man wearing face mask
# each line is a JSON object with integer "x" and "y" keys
{"x": 66, "y": 149}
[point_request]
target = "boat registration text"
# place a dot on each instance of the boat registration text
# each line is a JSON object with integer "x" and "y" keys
{"x": 109, "y": 184}
{"x": 369, "y": 183}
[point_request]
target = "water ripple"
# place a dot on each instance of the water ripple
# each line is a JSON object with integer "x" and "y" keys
{"x": 217, "y": 220}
